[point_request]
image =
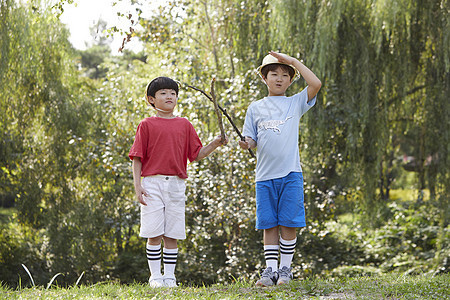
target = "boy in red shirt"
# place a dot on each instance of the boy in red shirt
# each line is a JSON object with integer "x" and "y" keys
{"x": 160, "y": 151}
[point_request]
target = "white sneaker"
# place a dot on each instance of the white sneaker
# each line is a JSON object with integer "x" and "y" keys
{"x": 285, "y": 275}
{"x": 170, "y": 282}
{"x": 268, "y": 277}
{"x": 156, "y": 282}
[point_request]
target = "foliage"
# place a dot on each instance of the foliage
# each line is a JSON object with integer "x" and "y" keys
{"x": 21, "y": 245}
{"x": 407, "y": 242}
{"x": 66, "y": 133}
{"x": 60, "y": 153}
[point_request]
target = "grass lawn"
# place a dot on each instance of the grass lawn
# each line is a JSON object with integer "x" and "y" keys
{"x": 392, "y": 286}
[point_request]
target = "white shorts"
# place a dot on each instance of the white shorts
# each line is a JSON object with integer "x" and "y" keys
{"x": 165, "y": 210}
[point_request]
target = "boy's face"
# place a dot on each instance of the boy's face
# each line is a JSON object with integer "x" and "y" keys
{"x": 277, "y": 82}
{"x": 164, "y": 99}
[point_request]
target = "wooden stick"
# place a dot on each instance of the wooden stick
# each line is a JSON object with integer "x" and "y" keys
{"x": 216, "y": 108}
{"x": 225, "y": 114}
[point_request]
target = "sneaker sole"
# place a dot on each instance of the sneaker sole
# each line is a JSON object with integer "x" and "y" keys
{"x": 263, "y": 284}
{"x": 282, "y": 282}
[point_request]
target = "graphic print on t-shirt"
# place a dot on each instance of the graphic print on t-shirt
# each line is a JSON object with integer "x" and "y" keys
{"x": 272, "y": 124}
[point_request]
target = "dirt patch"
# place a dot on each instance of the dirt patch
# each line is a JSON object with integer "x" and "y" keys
{"x": 348, "y": 295}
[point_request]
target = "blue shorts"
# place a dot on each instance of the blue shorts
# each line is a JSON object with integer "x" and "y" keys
{"x": 280, "y": 202}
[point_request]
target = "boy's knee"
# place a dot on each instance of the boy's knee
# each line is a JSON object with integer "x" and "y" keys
{"x": 288, "y": 233}
{"x": 169, "y": 242}
{"x": 155, "y": 240}
{"x": 273, "y": 229}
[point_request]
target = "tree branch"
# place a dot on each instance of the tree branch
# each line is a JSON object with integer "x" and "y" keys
{"x": 211, "y": 30}
{"x": 216, "y": 108}
{"x": 410, "y": 92}
{"x": 225, "y": 114}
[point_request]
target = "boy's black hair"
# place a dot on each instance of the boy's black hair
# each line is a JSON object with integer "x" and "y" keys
{"x": 272, "y": 67}
{"x": 161, "y": 83}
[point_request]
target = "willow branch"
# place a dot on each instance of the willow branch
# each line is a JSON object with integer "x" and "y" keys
{"x": 225, "y": 114}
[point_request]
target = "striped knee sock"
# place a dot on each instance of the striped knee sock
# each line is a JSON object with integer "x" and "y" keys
{"x": 170, "y": 261}
{"x": 287, "y": 249}
{"x": 154, "y": 260}
{"x": 271, "y": 255}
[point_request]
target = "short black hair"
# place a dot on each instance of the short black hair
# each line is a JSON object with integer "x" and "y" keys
{"x": 272, "y": 67}
{"x": 161, "y": 83}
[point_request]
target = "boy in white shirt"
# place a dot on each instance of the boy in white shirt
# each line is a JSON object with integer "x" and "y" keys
{"x": 272, "y": 126}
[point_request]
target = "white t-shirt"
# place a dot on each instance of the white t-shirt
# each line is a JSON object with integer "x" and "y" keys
{"x": 273, "y": 122}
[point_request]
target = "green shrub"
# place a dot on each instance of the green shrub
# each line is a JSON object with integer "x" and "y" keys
{"x": 20, "y": 245}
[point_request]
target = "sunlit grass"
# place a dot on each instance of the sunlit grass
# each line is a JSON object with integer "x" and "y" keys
{"x": 348, "y": 218}
{"x": 6, "y": 214}
{"x": 408, "y": 194}
{"x": 391, "y": 286}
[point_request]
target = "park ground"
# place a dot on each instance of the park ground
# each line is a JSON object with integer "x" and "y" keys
{"x": 390, "y": 286}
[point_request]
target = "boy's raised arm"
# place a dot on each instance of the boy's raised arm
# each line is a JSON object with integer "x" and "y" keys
{"x": 314, "y": 83}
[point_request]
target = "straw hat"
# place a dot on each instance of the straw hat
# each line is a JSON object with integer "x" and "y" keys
{"x": 270, "y": 59}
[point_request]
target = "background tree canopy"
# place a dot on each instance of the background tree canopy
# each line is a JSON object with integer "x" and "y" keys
{"x": 375, "y": 148}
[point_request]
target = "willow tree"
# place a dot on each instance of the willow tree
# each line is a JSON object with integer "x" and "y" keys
{"x": 384, "y": 66}
{"x": 31, "y": 83}
{"x": 50, "y": 129}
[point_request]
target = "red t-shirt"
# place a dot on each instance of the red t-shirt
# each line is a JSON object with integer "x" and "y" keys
{"x": 165, "y": 145}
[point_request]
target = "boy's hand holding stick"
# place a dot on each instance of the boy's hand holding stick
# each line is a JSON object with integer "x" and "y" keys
{"x": 217, "y": 107}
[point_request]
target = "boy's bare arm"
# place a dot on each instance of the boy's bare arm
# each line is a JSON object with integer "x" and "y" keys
{"x": 207, "y": 150}
{"x": 314, "y": 83}
{"x": 137, "y": 167}
{"x": 249, "y": 143}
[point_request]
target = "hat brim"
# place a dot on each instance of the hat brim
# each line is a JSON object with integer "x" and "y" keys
{"x": 296, "y": 74}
